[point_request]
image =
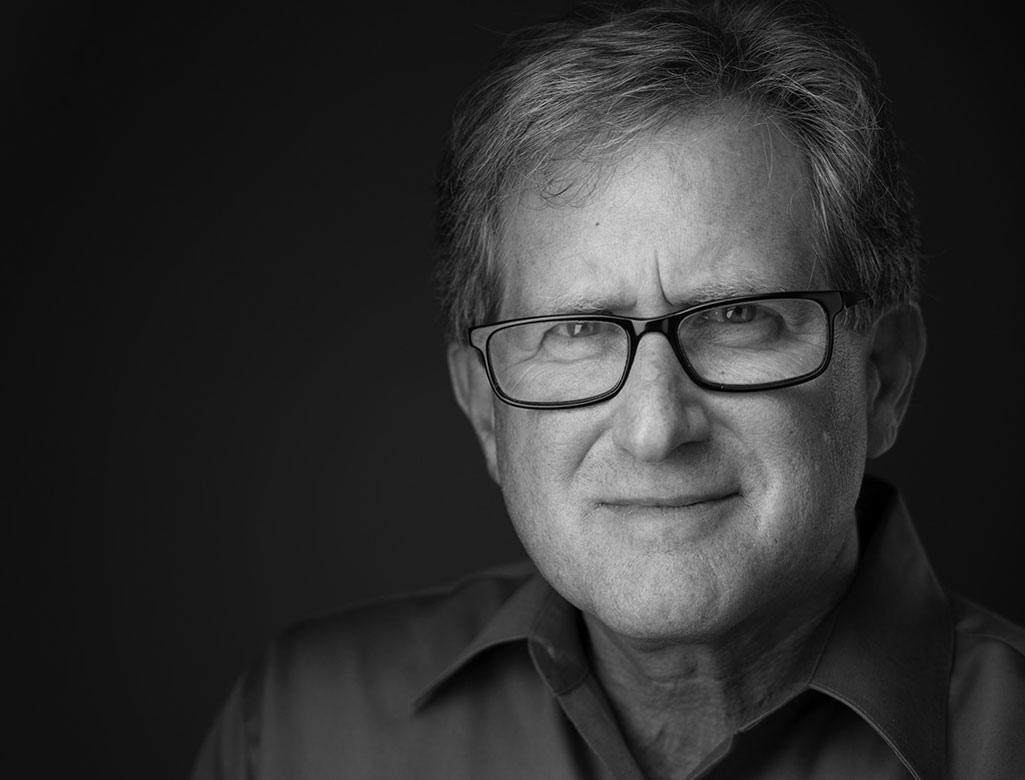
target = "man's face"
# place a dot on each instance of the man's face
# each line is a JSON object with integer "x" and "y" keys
{"x": 670, "y": 512}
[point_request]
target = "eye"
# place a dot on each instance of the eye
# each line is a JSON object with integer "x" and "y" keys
{"x": 577, "y": 339}
{"x": 575, "y": 329}
{"x": 737, "y": 315}
{"x": 734, "y": 320}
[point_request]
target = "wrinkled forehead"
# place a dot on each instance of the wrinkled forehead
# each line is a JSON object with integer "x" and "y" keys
{"x": 568, "y": 169}
{"x": 728, "y": 186}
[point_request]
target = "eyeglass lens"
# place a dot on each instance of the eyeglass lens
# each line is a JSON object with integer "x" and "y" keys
{"x": 743, "y": 344}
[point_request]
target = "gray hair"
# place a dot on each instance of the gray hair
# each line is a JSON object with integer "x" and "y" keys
{"x": 580, "y": 90}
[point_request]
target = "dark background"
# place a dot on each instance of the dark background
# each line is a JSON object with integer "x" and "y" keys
{"x": 230, "y": 364}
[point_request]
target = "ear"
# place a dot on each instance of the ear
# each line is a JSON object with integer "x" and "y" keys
{"x": 473, "y": 394}
{"x": 897, "y": 348}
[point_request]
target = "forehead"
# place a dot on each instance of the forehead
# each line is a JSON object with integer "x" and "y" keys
{"x": 707, "y": 208}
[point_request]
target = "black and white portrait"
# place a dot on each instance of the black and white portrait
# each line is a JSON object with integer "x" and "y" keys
{"x": 693, "y": 326}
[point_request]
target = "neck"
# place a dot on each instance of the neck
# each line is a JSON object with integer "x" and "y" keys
{"x": 677, "y": 702}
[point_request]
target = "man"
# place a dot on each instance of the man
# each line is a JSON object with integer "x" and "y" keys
{"x": 679, "y": 262}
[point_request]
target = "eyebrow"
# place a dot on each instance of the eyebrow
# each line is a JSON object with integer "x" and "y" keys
{"x": 576, "y": 302}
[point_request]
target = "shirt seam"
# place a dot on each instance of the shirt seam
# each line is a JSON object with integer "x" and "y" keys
{"x": 858, "y": 706}
{"x": 994, "y": 637}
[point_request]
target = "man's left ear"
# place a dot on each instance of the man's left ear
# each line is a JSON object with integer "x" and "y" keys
{"x": 897, "y": 348}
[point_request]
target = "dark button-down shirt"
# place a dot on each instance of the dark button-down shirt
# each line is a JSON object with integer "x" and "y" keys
{"x": 487, "y": 680}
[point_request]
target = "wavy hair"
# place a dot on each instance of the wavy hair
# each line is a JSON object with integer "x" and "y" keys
{"x": 574, "y": 94}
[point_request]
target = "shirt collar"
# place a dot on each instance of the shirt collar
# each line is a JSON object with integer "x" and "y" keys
{"x": 890, "y": 652}
{"x": 534, "y": 612}
{"x": 888, "y": 655}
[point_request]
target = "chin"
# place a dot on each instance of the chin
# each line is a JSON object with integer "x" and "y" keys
{"x": 659, "y": 606}
{"x": 659, "y": 628}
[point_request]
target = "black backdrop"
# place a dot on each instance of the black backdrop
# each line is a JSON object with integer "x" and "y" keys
{"x": 232, "y": 373}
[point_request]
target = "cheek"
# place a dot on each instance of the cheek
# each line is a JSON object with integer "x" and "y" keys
{"x": 803, "y": 450}
{"x": 845, "y": 427}
{"x": 539, "y": 459}
{"x": 537, "y": 455}
{"x": 827, "y": 459}
{"x": 830, "y": 419}
{"x": 548, "y": 446}
{"x": 529, "y": 477}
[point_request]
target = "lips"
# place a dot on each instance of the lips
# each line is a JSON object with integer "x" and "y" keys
{"x": 678, "y": 501}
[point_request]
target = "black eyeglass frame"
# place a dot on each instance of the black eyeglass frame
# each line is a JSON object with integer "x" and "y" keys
{"x": 831, "y": 301}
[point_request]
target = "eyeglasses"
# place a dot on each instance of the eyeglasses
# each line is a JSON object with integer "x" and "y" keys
{"x": 757, "y": 342}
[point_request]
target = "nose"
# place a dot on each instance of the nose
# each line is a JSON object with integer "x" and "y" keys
{"x": 659, "y": 408}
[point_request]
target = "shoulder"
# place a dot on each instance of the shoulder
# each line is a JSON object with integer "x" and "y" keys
{"x": 973, "y": 622}
{"x": 989, "y": 649}
{"x": 388, "y": 647}
{"x": 447, "y": 615}
{"x": 339, "y": 690}
{"x": 987, "y": 692}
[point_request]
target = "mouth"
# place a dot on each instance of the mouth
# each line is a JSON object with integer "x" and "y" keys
{"x": 669, "y": 503}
